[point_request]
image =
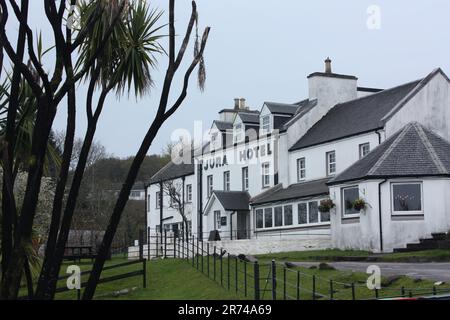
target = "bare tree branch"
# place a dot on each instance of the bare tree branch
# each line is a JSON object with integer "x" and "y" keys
{"x": 187, "y": 36}
{"x": 191, "y": 68}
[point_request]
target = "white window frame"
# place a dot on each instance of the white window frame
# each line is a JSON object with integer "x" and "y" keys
{"x": 226, "y": 181}
{"x": 330, "y": 163}
{"x": 406, "y": 213}
{"x": 301, "y": 171}
{"x": 209, "y": 185}
{"x": 238, "y": 132}
{"x": 256, "y": 219}
{"x": 265, "y": 124}
{"x": 189, "y": 193}
{"x": 245, "y": 181}
{"x": 217, "y": 218}
{"x": 350, "y": 215}
{"x": 265, "y": 168}
{"x": 157, "y": 199}
{"x": 361, "y": 149}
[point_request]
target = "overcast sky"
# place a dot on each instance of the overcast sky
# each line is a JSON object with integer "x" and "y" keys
{"x": 263, "y": 50}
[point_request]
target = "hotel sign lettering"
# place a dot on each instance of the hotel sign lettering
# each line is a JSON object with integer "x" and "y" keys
{"x": 244, "y": 155}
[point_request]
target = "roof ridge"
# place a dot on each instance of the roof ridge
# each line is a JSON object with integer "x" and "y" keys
{"x": 389, "y": 149}
{"x": 423, "y": 136}
{"x": 380, "y": 92}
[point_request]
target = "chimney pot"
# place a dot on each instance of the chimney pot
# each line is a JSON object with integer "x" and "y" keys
{"x": 236, "y": 103}
{"x": 328, "y": 65}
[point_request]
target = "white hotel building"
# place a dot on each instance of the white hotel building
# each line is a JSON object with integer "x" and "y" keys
{"x": 258, "y": 183}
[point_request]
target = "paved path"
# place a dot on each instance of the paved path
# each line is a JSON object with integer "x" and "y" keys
{"x": 432, "y": 271}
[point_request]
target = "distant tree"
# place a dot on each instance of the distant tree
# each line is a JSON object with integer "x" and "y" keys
{"x": 175, "y": 192}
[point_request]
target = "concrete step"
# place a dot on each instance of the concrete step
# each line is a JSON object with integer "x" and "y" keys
{"x": 422, "y": 246}
{"x": 440, "y": 236}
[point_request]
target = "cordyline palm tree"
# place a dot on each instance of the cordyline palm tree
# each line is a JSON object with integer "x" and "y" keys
{"x": 124, "y": 65}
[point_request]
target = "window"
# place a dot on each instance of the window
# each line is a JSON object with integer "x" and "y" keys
{"x": 268, "y": 218}
{"x": 223, "y": 221}
{"x": 157, "y": 200}
{"x": 226, "y": 181}
{"x": 135, "y": 194}
{"x": 214, "y": 138}
{"x": 302, "y": 213}
{"x": 217, "y": 221}
{"x": 324, "y": 216}
{"x": 288, "y": 215}
{"x": 313, "y": 209}
{"x": 301, "y": 169}
{"x": 265, "y": 124}
{"x": 245, "y": 179}
{"x": 331, "y": 163}
{"x": 407, "y": 197}
{"x": 349, "y": 195}
{"x": 209, "y": 185}
{"x": 364, "y": 149}
{"x": 238, "y": 132}
{"x": 278, "y": 216}
{"x": 265, "y": 174}
{"x": 148, "y": 203}
{"x": 189, "y": 192}
{"x": 259, "y": 218}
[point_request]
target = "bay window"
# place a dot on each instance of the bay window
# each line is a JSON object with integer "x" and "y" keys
{"x": 349, "y": 195}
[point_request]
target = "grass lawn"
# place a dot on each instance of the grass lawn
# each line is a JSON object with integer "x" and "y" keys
{"x": 230, "y": 279}
{"x": 438, "y": 255}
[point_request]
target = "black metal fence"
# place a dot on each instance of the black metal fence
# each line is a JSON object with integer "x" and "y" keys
{"x": 252, "y": 279}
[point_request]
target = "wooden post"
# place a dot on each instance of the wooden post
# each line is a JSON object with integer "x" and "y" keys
{"x": 256, "y": 277}
{"x": 144, "y": 275}
{"x": 274, "y": 280}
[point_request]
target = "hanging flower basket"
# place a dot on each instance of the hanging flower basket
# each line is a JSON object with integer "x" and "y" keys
{"x": 326, "y": 205}
{"x": 360, "y": 204}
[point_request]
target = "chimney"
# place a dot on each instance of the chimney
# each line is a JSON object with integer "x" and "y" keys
{"x": 237, "y": 103}
{"x": 242, "y": 104}
{"x": 331, "y": 88}
{"x": 328, "y": 65}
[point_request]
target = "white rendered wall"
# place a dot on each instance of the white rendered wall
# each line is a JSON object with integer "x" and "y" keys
{"x": 430, "y": 107}
{"x": 347, "y": 153}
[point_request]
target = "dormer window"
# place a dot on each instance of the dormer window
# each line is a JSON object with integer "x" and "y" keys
{"x": 238, "y": 133}
{"x": 265, "y": 124}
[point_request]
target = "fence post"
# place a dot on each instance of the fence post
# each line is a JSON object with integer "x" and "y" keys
{"x": 434, "y": 290}
{"x": 228, "y": 271}
{"x": 284, "y": 283}
{"x": 403, "y": 292}
{"x": 203, "y": 253}
{"x": 174, "y": 247}
{"x": 331, "y": 290}
{"x": 236, "y": 273}
{"x": 274, "y": 280}
{"x": 148, "y": 242}
{"x": 314, "y": 287}
{"x": 165, "y": 244}
{"x": 214, "y": 258}
{"x": 197, "y": 257}
{"x": 157, "y": 246}
{"x": 353, "y": 291}
{"x": 207, "y": 258}
{"x": 221, "y": 268}
{"x": 144, "y": 275}
{"x": 298, "y": 285}
{"x": 256, "y": 278}
{"x": 193, "y": 251}
{"x": 141, "y": 244}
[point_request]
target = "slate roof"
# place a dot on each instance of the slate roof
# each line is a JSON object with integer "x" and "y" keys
{"x": 172, "y": 171}
{"x": 252, "y": 118}
{"x": 355, "y": 116}
{"x": 294, "y": 191}
{"x": 233, "y": 200}
{"x": 281, "y": 108}
{"x": 413, "y": 151}
{"x": 223, "y": 126}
